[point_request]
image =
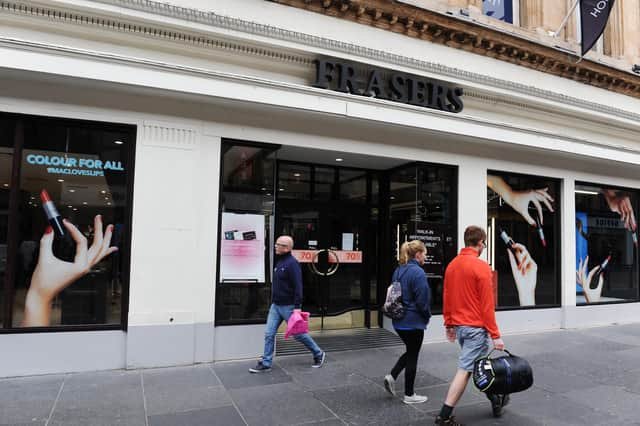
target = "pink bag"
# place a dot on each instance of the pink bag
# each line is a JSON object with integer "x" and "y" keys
{"x": 298, "y": 323}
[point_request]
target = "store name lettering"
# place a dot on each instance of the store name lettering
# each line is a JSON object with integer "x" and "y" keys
{"x": 409, "y": 89}
{"x": 74, "y": 165}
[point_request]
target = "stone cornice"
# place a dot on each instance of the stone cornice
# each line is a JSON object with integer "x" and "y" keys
{"x": 460, "y": 34}
{"x": 189, "y": 36}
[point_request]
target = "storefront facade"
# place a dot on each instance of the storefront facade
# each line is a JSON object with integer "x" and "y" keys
{"x": 191, "y": 139}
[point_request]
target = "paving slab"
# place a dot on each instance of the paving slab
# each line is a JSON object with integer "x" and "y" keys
{"x": 223, "y": 416}
{"x": 279, "y": 404}
{"x": 28, "y": 400}
{"x": 235, "y": 375}
{"x": 168, "y": 390}
{"x": 330, "y": 375}
{"x": 368, "y": 405}
{"x": 97, "y": 399}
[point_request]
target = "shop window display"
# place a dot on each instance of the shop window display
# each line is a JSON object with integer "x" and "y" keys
{"x": 423, "y": 207}
{"x": 247, "y": 202}
{"x": 68, "y": 220}
{"x": 606, "y": 244}
{"x": 523, "y": 239}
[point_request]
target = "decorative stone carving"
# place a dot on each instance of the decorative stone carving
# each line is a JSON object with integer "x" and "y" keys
{"x": 462, "y": 34}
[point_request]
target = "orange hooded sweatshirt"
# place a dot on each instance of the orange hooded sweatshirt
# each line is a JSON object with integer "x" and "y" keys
{"x": 468, "y": 294}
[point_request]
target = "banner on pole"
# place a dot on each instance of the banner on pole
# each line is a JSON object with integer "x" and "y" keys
{"x": 594, "y": 15}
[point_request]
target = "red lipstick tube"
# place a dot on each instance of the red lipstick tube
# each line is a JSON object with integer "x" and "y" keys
{"x": 54, "y": 218}
{"x": 541, "y": 233}
{"x": 603, "y": 265}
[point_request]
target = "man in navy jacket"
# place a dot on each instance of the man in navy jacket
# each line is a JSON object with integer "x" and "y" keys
{"x": 286, "y": 297}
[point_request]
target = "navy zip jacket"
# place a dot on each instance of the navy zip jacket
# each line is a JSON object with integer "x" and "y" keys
{"x": 287, "y": 282}
{"x": 416, "y": 296}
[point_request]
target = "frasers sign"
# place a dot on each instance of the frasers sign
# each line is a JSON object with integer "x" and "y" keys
{"x": 399, "y": 87}
{"x": 73, "y": 165}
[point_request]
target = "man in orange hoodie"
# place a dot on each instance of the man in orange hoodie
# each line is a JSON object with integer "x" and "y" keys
{"x": 469, "y": 317}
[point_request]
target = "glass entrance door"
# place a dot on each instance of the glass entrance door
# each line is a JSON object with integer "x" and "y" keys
{"x": 331, "y": 248}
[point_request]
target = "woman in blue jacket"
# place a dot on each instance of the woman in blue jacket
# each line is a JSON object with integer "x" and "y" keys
{"x": 416, "y": 297}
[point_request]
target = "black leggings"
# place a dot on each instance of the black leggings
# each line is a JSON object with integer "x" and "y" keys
{"x": 409, "y": 360}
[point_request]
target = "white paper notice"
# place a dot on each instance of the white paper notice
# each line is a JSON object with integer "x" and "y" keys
{"x": 347, "y": 241}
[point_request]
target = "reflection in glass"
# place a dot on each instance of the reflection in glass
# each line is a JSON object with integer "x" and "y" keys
{"x": 246, "y": 169}
{"x": 324, "y": 183}
{"x": 353, "y": 185}
{"x": 294, "y": 181}
{"x": 422, "y": 207}
{"x": 247, "y": 190}
{"x": 606, "y": 244}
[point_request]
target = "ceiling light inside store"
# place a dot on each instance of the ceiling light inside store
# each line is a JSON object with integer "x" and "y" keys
{"x": 103, "y": 192}
{"x": 106, "y": 198}
{"x": 281, "y": 189}
{"x": 75, "y": 209}
{"x": 296, "y": 174}
{"x": 339, "y": 159}
{"x": 6, "y": 184}
{"x": 70, "y": 207}
{"x": 85, "y": 203}
{"x": 60, "y": 180}
{"x": 118, "y": 142}
{"x": 72, "y": 190}
{"x": 583, "y": 191}
{"x": 108, "y": 204}
{"x": 263, "y": 189}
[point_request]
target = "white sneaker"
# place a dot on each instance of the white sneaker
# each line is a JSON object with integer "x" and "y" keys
{"x": 414, "y": 399}
{"x": 390, "y": 384}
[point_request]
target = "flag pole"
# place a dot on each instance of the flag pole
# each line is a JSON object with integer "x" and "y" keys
{"x": 566, "y": 19}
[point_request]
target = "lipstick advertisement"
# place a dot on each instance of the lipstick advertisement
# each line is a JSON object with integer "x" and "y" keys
{"x": 521, "y": 238}
{"x": 68, "y": 272}
{"x": 606, "y": 244}
{"x": 242, "y": 248}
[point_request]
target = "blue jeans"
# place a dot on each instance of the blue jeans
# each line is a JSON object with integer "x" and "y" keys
{"x": 278, "y": 313}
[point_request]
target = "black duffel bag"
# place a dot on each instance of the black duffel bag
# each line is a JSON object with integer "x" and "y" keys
{"x": 502, "y": 375}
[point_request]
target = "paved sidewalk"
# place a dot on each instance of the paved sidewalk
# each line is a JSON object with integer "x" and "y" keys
{"x": 581, "y": 377}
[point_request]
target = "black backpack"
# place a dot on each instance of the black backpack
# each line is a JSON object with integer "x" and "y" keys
{"x": 502, "y": 375}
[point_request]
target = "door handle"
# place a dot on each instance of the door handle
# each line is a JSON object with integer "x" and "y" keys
{"x": 331, "y": 270}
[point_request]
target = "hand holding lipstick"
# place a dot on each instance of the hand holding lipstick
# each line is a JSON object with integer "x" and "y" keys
{"x": 52, "y": 275}
{"x": 621, "y": 204}
{"x": 525, "y": 273}
{"x": 584, "y": 279}
{"x": 520, "y": 200}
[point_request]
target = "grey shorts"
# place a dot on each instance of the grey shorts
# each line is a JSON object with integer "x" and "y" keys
{"x": 474, "y": 342}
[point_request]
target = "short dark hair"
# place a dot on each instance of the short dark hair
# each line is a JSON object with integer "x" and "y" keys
{"x": 473, "y": 235}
